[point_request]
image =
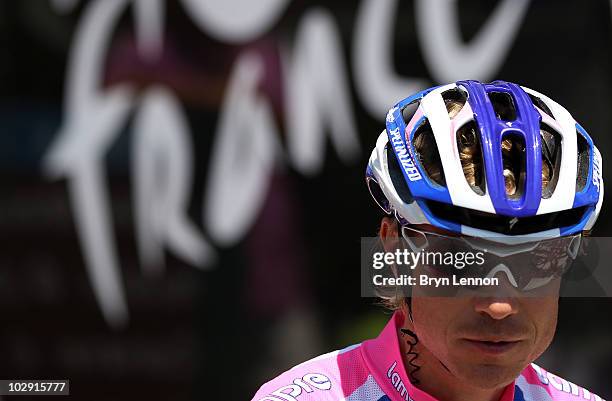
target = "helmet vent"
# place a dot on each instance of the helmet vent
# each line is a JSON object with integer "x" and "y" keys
{"x": 584, "y": 157}
{"x": 551, "y": 159}
{"x": 470, "y": 154}
{"x": 409, "y": 111}
{"x": 454, "y": 100}
{"x": 503, "y": 105}
{"x": 509, "y": 225}
{"x": 513, "y": 156}
{"x": 427, "y": 153}
{"x": 541, "y": 105}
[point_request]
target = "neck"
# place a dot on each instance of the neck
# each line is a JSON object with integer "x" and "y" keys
{"x": 437, "y": 381}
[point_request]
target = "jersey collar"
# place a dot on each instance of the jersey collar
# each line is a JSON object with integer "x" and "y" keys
{"x": 383, "y": 357}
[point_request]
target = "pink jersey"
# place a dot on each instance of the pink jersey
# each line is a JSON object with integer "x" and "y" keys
{"x": 374, "y": 371}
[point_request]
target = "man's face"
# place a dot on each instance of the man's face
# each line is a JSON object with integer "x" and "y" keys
{"x": 484, "y": 341}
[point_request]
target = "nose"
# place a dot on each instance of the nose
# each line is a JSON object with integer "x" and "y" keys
{"x": 496, "y": 308}
{"x": 499, "y": 302}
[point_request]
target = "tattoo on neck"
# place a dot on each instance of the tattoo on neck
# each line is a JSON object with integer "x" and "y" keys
{"x": 412, "y": 340}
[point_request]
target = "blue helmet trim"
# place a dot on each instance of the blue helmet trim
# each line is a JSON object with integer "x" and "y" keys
{"x": 493, "y": 130}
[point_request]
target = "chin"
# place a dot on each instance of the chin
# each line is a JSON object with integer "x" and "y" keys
{"x": 489, "y": 376}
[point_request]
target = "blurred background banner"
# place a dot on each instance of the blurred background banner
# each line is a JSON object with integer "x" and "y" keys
{"x": 182, "y": 181}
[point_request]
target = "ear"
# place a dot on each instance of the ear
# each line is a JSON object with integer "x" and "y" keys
{"x": 405, "y": 307}
{"x": 389, "y": 233}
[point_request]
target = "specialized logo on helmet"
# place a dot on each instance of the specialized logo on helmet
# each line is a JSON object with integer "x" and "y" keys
{"x": 404, "y": 157}
{"x": 308, "y": 383}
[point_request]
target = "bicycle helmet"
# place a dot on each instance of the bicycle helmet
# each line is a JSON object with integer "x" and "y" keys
{"x": 494, "y": 159}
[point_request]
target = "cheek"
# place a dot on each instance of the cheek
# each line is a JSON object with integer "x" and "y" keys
{"x": 544, "y": 315}
{"x": 433, "y": 317}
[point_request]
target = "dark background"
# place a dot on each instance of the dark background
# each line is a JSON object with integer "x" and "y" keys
{"x": 289, "y": 288}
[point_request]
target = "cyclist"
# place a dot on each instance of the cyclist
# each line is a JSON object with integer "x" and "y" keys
{"x": 469, "y": 162}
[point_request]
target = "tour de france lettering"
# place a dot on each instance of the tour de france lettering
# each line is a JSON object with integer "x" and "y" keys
{"x": 406, "y": 161}
{"x": 96, "y": 115}
{"x": 308, "y": 383}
